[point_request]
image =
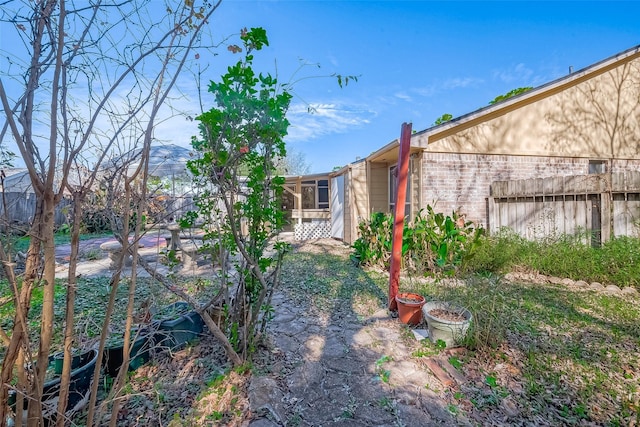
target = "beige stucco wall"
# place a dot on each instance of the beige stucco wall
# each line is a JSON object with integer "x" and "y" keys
{"x": 594, "y": 115}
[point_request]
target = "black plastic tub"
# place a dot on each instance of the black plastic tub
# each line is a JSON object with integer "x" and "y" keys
{"x": 79, "y": 388}
{"x": 139, "y": 355}
{"x": 175, "y": 332}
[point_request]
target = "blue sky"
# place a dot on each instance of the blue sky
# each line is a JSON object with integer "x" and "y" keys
{"x": 417, "y": 60}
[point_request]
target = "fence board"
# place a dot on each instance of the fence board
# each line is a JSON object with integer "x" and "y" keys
{"x": 553, "y": 206}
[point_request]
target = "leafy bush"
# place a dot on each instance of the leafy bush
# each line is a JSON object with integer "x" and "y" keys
{"x": 432, "y": 242}
{"x": 373, "y": 247}
{"x": 96, "y": 220}
{"x": 436, "y": 242}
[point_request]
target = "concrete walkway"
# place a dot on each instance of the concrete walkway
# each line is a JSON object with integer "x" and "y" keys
{"x": 151, "y": 247}
{"x": 339, "y": 370}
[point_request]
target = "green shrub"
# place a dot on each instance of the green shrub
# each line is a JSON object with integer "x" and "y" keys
{"x": 373, "y": 247}
{"x": 432, "y": 242}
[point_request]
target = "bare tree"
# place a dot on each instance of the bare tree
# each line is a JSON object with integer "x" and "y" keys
{"x": 87, "y": 76}
{"x": 294, "y": 163}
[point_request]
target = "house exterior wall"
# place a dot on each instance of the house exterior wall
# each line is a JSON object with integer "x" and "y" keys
{"x": 416, "y": 183}
{"x": 461, "y": 182}
{"x": 379, "y": 187}
{"x": 356, "y": 200}
{"x": 594, "y": 115}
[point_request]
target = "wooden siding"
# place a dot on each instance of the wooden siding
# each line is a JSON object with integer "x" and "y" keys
{"x": 379, "y": 187}
{"x": 356, "y": 199}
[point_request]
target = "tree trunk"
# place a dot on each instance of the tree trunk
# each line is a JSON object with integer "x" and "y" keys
{"x": 46, "y": 328}
{"x": 22, "y": 301}
{"x": 70, "y": 310}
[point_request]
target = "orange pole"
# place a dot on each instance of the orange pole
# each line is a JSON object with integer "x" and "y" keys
{"x": 398, "y": 219}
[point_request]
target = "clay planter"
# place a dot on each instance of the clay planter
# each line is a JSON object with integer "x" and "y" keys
{"x": 138, "y": 356}
{"x": 409, "y": 308}
{"x": 446, "y": 322}
{"x": 175, "y": 331}
{"x": 79, "y": 388}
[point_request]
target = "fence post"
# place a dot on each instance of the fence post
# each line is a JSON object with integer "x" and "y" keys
{"x": 606, "y": 204}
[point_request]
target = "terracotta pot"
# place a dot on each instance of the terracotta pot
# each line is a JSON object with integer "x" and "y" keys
{"x": 410, "y": 308}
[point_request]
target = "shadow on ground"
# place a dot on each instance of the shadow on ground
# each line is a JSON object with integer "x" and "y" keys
{"x": 336, "y": 357}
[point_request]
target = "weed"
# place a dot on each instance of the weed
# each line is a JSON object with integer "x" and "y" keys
{"x": 455, "y": 362}
{"x": 294, "y": 420}
{"x": 349, "y": 411}
{"x": 491, "y": 381}
{"x": 383, "y": 374}
{"x": 92, "y": 254}
{"x": 427, "y": 349}
{"x": 617, "y": 261}
{"x": 215, "y": 416}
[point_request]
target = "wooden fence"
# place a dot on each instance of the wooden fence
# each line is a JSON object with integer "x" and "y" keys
{"x": 603, "y": 204}
{"x": 21, "y": 206}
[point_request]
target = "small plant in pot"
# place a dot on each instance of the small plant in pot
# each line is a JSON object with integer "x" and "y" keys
{"x": 446, "y": 322}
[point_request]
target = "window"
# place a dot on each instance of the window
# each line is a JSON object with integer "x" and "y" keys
{"x": 597, "y": 166}
{"x": 308, "y": 197}
{"x": 323, "y": 194}
{"x": 315, "y": 194}
{"x": 393, "y": 184}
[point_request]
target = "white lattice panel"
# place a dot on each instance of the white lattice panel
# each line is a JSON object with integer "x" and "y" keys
{"x": 312, "y": 230}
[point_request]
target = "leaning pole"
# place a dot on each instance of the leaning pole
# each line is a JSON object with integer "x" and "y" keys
{"x": 398, "y": 218}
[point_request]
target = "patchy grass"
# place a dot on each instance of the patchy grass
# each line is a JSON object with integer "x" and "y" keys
{"x": 21, "y": 244}
{"x": 560, "y": 354}
{"x": 541, "y": 354}
{"x": 325, "y": 280}
{"x": 617, "y": 262}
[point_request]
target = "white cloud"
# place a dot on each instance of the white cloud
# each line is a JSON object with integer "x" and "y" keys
{"x": 446, "y": 85}
{"x": 426, "y": 91}
{"x": 403, "y": 96}
{"x": 461, "y": 82}
{"x": 515, "y": 73}
{"x": 315, "y": 120}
